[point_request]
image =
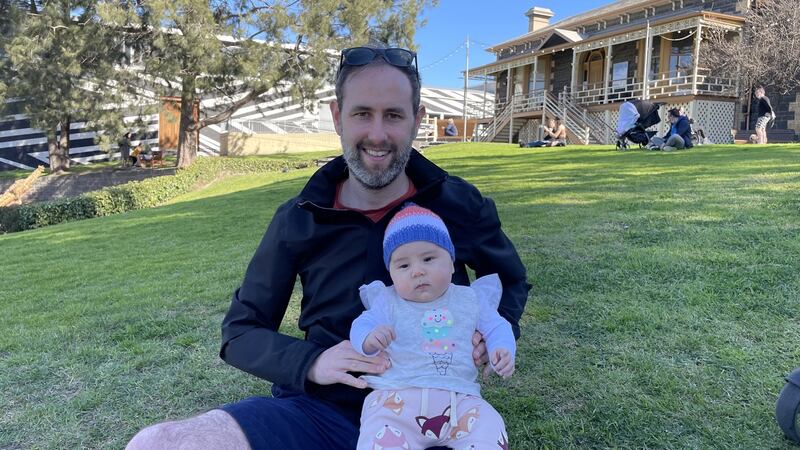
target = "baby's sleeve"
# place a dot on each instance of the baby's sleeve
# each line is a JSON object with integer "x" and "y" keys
{"x": 374, "y": 296}
{"x": 495, "y": 329}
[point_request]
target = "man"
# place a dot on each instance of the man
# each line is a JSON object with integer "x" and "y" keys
{"x": 765, "y": 115}
{"x": 679, "y": 135}
{"x": 555, "y": 135}
{"x": 331, "y": 236}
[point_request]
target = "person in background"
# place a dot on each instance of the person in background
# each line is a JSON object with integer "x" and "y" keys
{"x": 765, "y": 114}
{"x": 450, "y": 129}
{"x": 679, "y": 135}
{"x": 555, "y": 135}
{"x": 124, "y": 146}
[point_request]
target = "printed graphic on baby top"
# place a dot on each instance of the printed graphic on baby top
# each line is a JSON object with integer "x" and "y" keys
{"x": 436, "y": 326}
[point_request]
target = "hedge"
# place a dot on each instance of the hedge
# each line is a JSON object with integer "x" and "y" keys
{"x": 137, "y": 194}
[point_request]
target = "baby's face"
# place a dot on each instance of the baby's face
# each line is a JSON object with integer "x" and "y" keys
{"x": 421, "y": 271}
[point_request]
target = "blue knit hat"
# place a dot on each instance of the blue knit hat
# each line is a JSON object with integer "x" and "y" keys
{"x": 415, "y": 223}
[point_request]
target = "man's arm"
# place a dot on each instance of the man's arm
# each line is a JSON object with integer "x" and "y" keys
{"x": 250, "y": 340}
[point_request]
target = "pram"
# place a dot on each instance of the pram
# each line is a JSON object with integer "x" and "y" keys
{"x": 635, "y": 117}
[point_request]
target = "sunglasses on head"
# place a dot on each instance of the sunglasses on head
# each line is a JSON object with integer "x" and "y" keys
{"x": 361, "y": 56}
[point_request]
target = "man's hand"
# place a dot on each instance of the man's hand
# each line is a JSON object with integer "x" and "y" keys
{"x": 502, "y": 362}
{"x": 379, "y": 339}
{"x": 332, "y": 365}
{"x": 479, "y": 355}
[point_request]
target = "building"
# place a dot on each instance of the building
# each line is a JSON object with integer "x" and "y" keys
{"x": 273, "y": 123}
{"x": 583, "y": 67}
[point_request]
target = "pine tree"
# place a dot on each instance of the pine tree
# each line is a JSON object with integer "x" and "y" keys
{"x": 243, "y": 49}
{"x": 59, "y": 61}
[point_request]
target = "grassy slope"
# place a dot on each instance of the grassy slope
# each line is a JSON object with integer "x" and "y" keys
{"x": 664, "y": 312}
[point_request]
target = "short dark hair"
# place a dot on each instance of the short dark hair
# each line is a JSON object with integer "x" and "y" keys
{"x": 410, "y": 72}
{"x": 675, "y": 112}
{"x": 558, "y": 119}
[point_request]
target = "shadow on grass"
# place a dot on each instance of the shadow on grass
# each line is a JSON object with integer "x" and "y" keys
{"x": 663, "y": 314}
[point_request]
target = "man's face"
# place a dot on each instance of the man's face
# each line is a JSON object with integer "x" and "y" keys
{"x": 759, "y": 93}
{"x": 376, "y": 124}
{"x": 421, "y": 271}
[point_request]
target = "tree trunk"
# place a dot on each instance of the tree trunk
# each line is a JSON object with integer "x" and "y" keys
{"x": 187, "y": 135}
{"x": 59, "y": 150}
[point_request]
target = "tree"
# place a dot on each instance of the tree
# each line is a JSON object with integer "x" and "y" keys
{"x": 51, "y": 55}
{"x": 239, "y": 50}
{"x": 766, "y": 52}
{"x": 57, "y": 61}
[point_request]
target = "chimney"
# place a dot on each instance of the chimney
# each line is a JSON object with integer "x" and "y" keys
{"x": 538, "y": 18}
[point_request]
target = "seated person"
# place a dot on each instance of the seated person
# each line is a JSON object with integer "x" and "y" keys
{"x": 145, "y": 155}
{"x": 134, "y": 156}
{"x": 450, "y": 129}
{"x": 555, "y": 135}
{"x": 679, "y": 135}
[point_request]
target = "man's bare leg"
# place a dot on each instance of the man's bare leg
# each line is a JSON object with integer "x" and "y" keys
{"x": 215, "y": 429}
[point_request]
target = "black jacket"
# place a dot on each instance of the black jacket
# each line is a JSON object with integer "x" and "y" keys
{"x": 683, "y": 129}
{"x": 336, "y": 251}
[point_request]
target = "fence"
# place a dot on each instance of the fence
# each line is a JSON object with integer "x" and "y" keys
{"x": 264, "y": 137}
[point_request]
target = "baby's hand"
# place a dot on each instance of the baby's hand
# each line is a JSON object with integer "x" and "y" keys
{"x": 502, "y": 362}
{"x": 378, "y": 339}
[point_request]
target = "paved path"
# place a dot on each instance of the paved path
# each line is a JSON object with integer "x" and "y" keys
{"x": 53, "y": 187}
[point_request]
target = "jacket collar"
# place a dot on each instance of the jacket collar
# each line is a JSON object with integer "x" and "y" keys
{"x": 321, "y": 187}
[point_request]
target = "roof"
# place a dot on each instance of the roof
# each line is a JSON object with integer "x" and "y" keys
{"x": 546, "y": 34}
{"x": 570, "y": 23}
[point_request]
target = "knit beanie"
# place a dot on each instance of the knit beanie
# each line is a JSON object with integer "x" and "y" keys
{"x": 415, "y": 223}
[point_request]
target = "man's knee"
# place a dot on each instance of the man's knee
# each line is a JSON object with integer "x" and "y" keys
{"x": 215, "y": 429}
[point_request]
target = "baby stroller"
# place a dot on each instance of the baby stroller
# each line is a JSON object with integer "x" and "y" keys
{"x": 635, "y": 118}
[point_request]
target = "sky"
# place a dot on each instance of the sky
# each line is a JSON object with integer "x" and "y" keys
{"x": 441, "y": 48}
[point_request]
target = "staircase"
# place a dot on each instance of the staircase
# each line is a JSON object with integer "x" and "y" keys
{"x": 581, "y": 127}
{"x": 593, "y": 129}
{"x": 491, "y": 132}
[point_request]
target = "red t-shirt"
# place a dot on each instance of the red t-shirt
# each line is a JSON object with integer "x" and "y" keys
{"x": 375, "y": 214}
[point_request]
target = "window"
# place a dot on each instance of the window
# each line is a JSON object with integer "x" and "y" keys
{"x": 517, "y": 81}
{"x": 680, "y": 55}
{"x": 620, "y": 75}
{"x": 655, "y": 59}
{"x": 536, "y": 81}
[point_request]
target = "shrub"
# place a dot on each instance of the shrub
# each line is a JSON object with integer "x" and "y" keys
{"x": 137, "y": 194}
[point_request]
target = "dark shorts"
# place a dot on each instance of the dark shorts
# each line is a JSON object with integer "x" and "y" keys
{"x": 293, "y": 422}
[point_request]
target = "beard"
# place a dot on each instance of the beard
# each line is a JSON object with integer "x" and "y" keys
{"x": 376, "y": 179}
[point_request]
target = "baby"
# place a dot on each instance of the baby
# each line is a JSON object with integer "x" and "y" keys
{"x": 429, "y": 396}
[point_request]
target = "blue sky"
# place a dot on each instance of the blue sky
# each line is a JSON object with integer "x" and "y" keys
{"x": 440, "y": 43}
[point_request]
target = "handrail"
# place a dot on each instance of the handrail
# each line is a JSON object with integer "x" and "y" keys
{"x": 676, "y": 82}
{"x": 582, "y": 132}
{"x": 596, "y": 125}
{"x": 487, "y": 134}
{"x": 565, "y": 99}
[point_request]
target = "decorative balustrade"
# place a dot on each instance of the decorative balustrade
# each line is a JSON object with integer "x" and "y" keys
{"x": 663, "y": 85}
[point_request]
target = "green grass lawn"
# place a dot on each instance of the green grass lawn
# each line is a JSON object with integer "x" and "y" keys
{"x": 664, "y": 314}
